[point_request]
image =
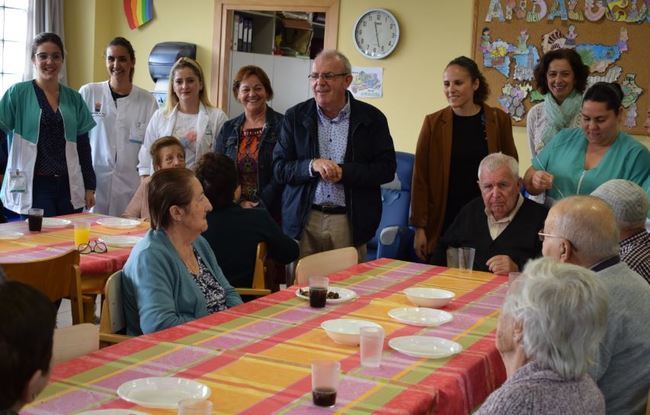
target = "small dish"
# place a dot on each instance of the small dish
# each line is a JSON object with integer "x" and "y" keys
{"x": 118, "y": 223}
{"x": 420, "y": 316}
{"x": 425, "y": 346}
{"x": 162, "y": 392}
{"x": 55, "y": 223}
{"x": 9, "y": 235}
{"x": 346, "y": 331}
{"x": 345, "y": 294}
{"x": 120, "y": 241}
{"x": 429, "y": 297}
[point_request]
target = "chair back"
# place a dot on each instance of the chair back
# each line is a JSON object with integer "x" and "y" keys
{"x": 259, "y": 275}
{"x": 112, "y": 321}
{"x": 75, "y": 341}
{"x": 396, "y": 204}
{"x": 324, "y": 263}
{"x": 57, "y": 277}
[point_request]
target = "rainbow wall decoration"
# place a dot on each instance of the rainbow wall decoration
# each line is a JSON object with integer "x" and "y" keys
{"x": 138, "y": 12}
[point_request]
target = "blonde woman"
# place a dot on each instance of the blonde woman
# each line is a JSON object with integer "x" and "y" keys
{"x": 187, "y": 115}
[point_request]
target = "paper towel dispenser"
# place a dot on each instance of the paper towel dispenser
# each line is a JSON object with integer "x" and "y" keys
{"x": 161, "y": 59}
{"x": 165, "y": 54}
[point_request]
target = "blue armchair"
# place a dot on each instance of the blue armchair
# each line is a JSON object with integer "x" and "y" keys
{"x": 394, "y": 238}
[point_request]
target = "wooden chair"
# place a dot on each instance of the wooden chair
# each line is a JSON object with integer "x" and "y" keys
{"x": 324, "y": 263}
{"x": 75, "y": 341}
{"x": 112, "y": 321}
{"x": 57, "y": 277}
{"x": 259, "y": 285}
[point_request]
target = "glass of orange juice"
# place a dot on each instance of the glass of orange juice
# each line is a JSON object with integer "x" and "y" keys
{"x": 81, "y": 233}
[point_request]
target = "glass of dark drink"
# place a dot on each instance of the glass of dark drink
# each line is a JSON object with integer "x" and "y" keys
{"x": 324, "y": 382}
{"x": 35, "y": 219}
{"x": 318, "y": 287}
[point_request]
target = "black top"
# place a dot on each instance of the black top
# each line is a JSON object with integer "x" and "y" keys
{"x": 234, "y": 232}
{"x": 50, "y": 155}
{"x": 519, "y": 240}
{"x": 468, "y": 148}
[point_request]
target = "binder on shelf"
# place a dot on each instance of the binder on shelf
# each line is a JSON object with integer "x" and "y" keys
{"x": 235, "y": 32}
{"x": 240, "y": 34}
{"x": 248, "y": 32}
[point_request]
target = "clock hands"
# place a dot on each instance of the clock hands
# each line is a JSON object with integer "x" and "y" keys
{"x": 377, "y": 33}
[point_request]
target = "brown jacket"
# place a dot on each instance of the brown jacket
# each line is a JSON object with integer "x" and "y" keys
{"x": 433, "y": 159}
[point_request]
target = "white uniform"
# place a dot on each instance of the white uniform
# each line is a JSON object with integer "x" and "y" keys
{"x": 208, "y": 125}
{"x": 116, "y": 141}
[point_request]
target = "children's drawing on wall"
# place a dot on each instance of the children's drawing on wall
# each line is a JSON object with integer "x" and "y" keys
{"x": 512, "y": 99}
{"x": 367, "y": 82}
{"x": 603, "y": 32}
{"x": 495, "y": 54}
{"x": 630, "y": 116}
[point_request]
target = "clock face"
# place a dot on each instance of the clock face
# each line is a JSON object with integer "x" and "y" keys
{"x": 376, "y": 33}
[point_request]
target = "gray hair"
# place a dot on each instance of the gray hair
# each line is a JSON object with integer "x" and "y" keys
{"x": 589, "y": 224}
{"x": 494, "y": 161}
{"x": 563, "y": 311}
{"x": 627, "y": 199}
{"x": 335, "y": 54}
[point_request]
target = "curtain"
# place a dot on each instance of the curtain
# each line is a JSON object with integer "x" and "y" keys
{"x": 43, "y": 16}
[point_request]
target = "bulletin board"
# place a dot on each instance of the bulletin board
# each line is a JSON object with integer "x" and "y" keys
{"x": 611, "y": 36}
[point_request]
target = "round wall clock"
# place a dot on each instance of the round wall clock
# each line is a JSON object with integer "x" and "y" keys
{"x": 376, "y": 33}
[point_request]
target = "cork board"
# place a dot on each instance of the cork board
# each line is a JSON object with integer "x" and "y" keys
{"x": 612, "y": 37}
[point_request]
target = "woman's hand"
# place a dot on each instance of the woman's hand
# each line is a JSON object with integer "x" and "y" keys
{"x": 420, "y": 244}
{"x": 90, "y": 198}
{"x": 537, "y": 181}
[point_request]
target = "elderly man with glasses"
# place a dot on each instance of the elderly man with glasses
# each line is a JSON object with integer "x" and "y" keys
{"x": 500, "y": 225}
{"x": 582, "y": 230}
{"x": 333, "y": 154}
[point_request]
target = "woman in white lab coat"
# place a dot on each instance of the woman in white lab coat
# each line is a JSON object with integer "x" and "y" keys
{"x": 122, "y": 112}
{"x": 187, "y": 115}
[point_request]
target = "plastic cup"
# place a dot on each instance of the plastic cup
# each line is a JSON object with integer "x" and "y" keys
{"x": 318, "y": 287}
{"x": 35, "y": 219}
{"x": 372, "y": 346}
{"x": 466, "y": 258}
{"x": 325, "y": 382}
{"x": 194, "y": 407}
{"x": 81, "y": 233}
{"x": 452, "y": 257}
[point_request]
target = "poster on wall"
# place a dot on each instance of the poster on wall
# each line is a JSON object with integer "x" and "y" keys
{"x": 367, "y": 82}
{"x": 611, "y": 37}
{"x": 138, "y": 12}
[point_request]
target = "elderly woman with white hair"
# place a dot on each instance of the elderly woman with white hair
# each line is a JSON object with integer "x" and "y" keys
{"x": 630, "y": 205}
{"x": 552, "y": 320}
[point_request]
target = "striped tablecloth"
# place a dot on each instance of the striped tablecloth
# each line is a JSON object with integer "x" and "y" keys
{"x": 50, "y": 242}
{"x": 255, "y": 357}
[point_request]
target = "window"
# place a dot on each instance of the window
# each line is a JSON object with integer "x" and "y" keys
{"x": 13, "y": 32}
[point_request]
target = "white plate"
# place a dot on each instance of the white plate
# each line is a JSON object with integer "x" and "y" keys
{"x": 121, "y": 241}
{"x": 113, "y": 412}
{"x": 420, "y": 316}
{"x": 6, "y": 235}
{"x": 118, "y": 223}
{"x": 162, "y": 392}
{"x": 344, "y": 294}
{"x": 425, "y": 346}
{"x": 54, "y": 222}
{"x": 346, "y": 331}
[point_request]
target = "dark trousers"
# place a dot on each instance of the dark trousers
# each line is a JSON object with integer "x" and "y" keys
{"x": 52, "y": 194}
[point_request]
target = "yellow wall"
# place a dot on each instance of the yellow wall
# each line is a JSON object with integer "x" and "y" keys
{"x": 431, "y": 34}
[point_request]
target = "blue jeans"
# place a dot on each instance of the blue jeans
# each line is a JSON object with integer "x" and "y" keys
{"x": 52, "y": 194}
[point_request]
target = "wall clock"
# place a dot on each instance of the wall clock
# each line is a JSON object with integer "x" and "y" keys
{"x": 375, "y": 33}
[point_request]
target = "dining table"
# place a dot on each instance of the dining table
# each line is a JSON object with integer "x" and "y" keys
{"x": 255, "y": 357}
{"x": 18, "y": 244}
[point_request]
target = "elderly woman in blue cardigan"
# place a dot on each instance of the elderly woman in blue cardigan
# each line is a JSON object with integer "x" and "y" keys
{"x": 172, "y": 275}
